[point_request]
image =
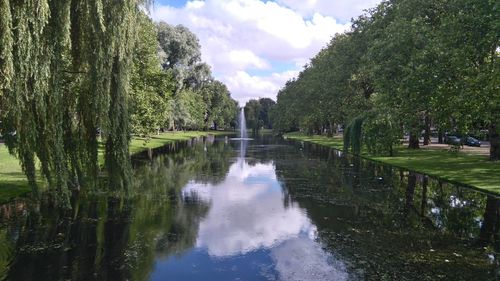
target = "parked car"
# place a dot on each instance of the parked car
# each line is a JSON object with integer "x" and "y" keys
{"x": 13, "y": 134}
{"x": 470, "y": 141}
{"x": 453, "y": 140}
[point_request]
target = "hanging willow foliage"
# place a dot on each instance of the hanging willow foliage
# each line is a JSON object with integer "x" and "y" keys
{"x": 64, "y": 76}
{"x": 353, "y": 135}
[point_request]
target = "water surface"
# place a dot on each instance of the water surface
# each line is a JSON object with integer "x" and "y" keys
{"x": 262, "y": 209}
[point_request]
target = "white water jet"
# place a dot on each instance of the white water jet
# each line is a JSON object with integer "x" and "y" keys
{"x": 243, "y": 124}
{"x": 243, "y": 138}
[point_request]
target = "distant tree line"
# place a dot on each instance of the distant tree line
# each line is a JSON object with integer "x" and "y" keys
{"x": 257, "y": 114}
{"x": 404, "y": 67}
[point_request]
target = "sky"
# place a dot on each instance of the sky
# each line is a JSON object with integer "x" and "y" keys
{"x": 255, "y": 46}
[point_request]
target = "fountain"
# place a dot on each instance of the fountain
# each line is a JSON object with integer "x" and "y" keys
{"x": 243, "y": 124}
{"x": 243, "y": 127}
{"x": 243, "y": 139}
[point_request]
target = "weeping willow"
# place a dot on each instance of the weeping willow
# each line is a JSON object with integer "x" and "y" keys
{"x": 64, "y": 77}
{"x": 353, "y": 135}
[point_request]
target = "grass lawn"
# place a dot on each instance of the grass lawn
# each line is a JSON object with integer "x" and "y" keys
{"x": 468, "y": 169}
{"x": 13, "y": 182}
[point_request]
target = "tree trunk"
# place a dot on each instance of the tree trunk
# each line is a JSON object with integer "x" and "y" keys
{"x": 494, "y": 142}
{"x": 440, "y": 136}
{"x": 413, "y": 141}
{"x": 330, "y": 132}
{"x": 427, "y": 134}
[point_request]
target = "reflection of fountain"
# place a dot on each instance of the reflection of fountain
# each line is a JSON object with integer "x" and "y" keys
{"x": 243, "y": 149}
{"x": 243, "y": 135}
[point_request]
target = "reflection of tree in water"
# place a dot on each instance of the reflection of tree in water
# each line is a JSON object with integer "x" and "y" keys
{"x": 385, "y": 223}
{"x": 490, "y": 228}
{"x": 184, "y": 229}
{"x": 80, "y": 244}
{"x": 388, "y": 225}
{"x": 114, "y": 236}
{"x": 206, "y": 161}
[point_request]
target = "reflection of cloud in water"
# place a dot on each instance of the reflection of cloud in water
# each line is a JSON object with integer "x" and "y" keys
{"x": 236, "y": 187}
{"x": 302, "y": 259}
{"x": 247, "y": 213}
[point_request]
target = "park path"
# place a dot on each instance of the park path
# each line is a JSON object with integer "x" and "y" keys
{"x": 483, "y": 150}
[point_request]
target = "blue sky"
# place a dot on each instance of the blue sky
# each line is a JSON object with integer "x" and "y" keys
{"x": 173, "y": 3}
{"x": 255, "y": 46}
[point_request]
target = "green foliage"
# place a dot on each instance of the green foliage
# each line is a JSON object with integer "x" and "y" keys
{"x": 267, "y": 105}
{"x": 66, "y": 75}
{"x": 6, "y": 43}
{"x": 252, "y": 113}
{"x": 221, "y": 109}
{"x": 381, "y": 134}
{"x": 188, "y": 109}
{"x": 181, "y": 54}
{"x": 353, "y": 135}
{"x": 258, "y": 113}
{"x": 283, "y": 119}
{"x": 198, "y": 101}
{"x": 80, "y": 72}
{"x": 423, "y": 63}
{"x": 326, "y": 94}
{"x": 152, "y": 88}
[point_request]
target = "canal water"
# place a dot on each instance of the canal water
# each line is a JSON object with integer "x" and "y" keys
{"x": 263, "y": 209}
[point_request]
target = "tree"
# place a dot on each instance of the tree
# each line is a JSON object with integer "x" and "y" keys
{"x": 64, "y": 77}
{"x": 404, "y": 66}
{"x": 152, "y": 88}
{"x": 468, "y": 42}
{"x": 266, "y": 105}
{"x": 180, "y": 53}
{"x": 252, "y": 112}
{"x": 221, "y": 108}
{"x": 195, "y": 88}
{"x": 188, "y": 110}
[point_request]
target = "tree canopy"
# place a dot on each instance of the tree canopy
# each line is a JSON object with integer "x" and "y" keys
{"x": 258, "y": 113}
{"x": 78, "y": 74}
{"x": 404, "y": 67}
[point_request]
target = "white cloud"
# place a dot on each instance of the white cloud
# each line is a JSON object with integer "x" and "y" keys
{"x": 247, "y": 86}
{"x": 246, "y": 58}
{"x": 342, "y": 10}
{"x": 242, "y": 35}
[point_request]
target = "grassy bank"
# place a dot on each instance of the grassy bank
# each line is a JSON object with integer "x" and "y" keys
{"x": 13, "y": 182}
{"x": 468, "y": 169}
